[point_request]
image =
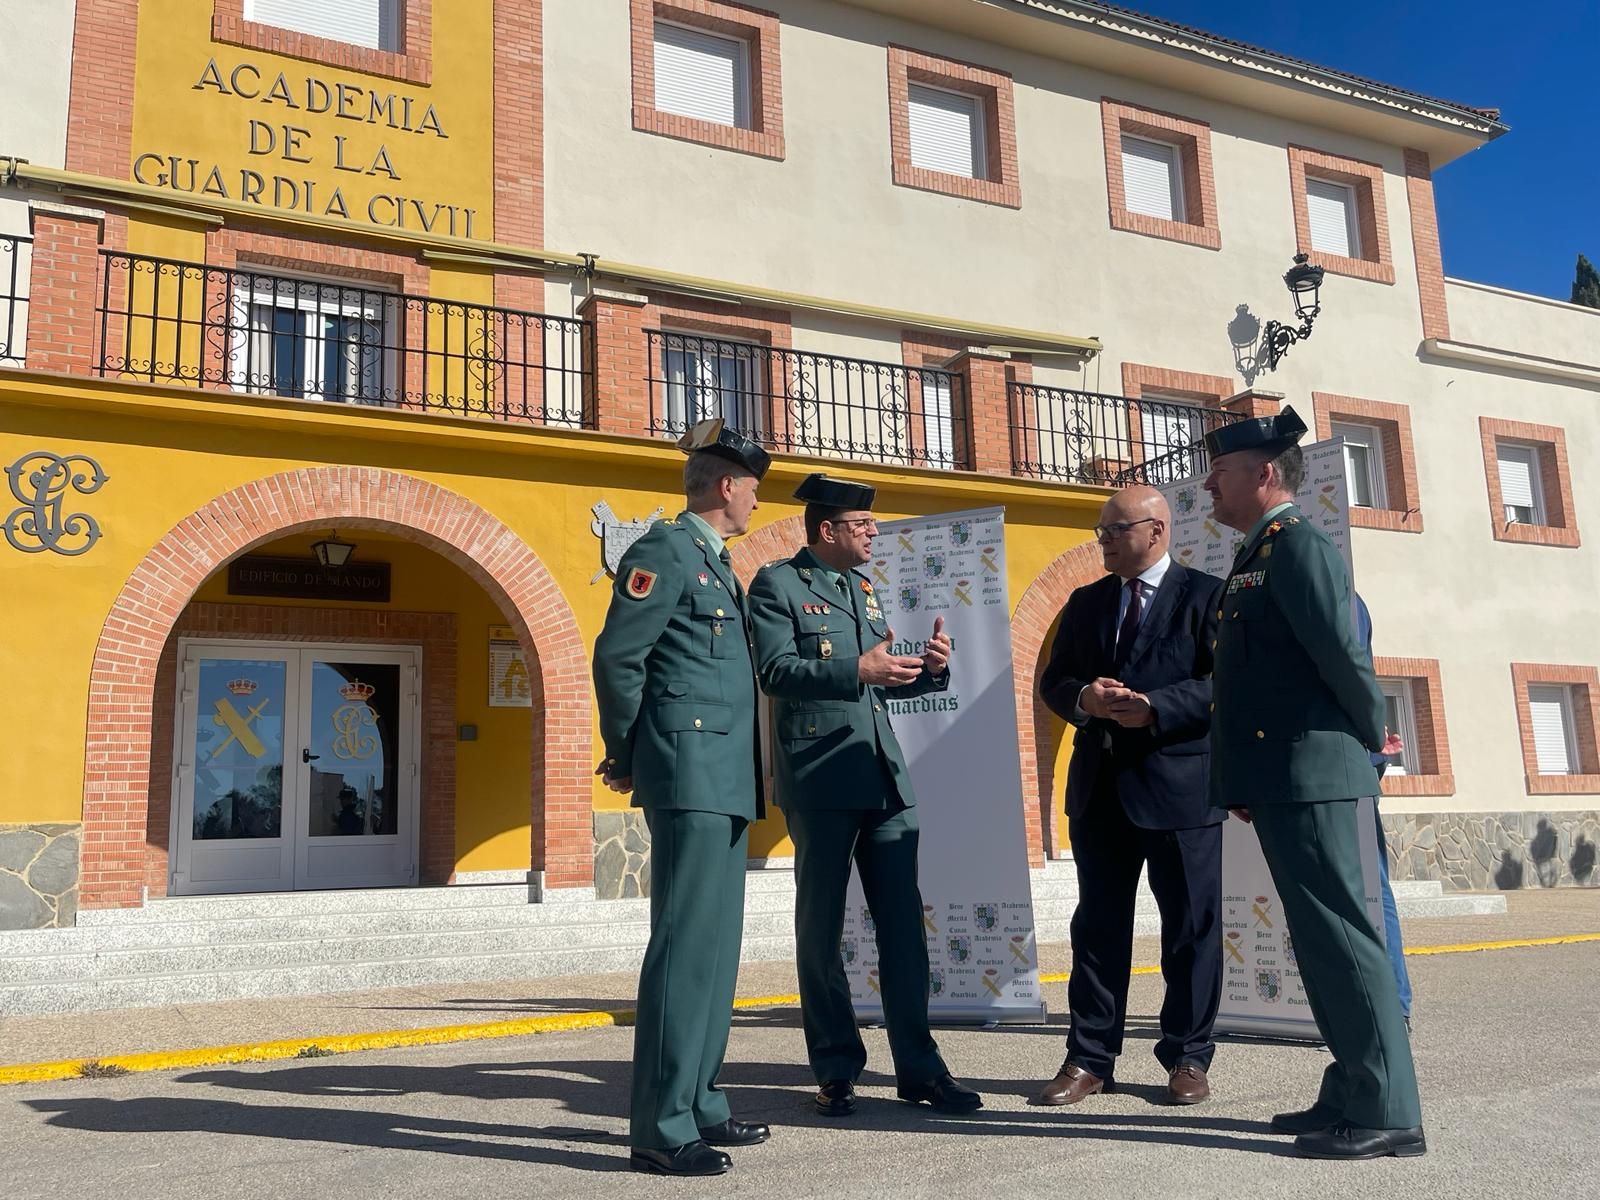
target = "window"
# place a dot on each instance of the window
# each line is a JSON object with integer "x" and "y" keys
{"x": 1400, "y": 718}
{"x": 312, "y": 339}
{"x": 946, "y": 131}
{"x": 1170, "y": 425}
{"x": 1550, "y": 713}
{"x": 1363, "y": 463}
{"x": 1520, "y": 491}
{"x": 1331, "y": 208}
{"x": 1152, "y": 178}
{"x": 374, "y": 24}
{"x": 709, "y": 377}
{"x": 938, "y": 423}
{"x": 702, "y": 75}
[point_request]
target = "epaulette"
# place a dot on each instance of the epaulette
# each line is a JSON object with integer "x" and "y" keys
{"x": 767, "y": 566}
{"x": 1278, "y": 526}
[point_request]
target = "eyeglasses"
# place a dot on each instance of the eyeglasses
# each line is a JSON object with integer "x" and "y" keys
{"x": 1118, "y": 528}
{"x": 862, "y": 522}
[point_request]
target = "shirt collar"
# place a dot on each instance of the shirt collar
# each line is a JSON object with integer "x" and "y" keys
{"x": 712, "y": 537}
{"x": 1152, "y": 575}
{"x": 833, "y": 576}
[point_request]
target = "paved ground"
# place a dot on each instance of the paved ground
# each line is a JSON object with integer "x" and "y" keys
{"x": 1505, "y": 1048}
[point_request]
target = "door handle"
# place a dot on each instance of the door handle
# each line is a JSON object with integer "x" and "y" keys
{"x": 306, "y": 756}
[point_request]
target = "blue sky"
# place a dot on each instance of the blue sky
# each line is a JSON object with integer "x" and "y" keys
{"x": 1517, "y": 212}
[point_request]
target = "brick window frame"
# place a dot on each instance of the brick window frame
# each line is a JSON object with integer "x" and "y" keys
{"x": 754, "y": 26}
{"x": 992, "y": 88}
{"x": 1403, "y": 513}
{"x": 1193, "y": 139}
{"x": 1585, "y": 685}
{"x": 1207, "y": 391}
{"x": 1434, "y": 774}
{"x": 413, "y": 62}
{"x": 1366, "y": 181}
{"x": 768, "y": 328}
{"x": 1555, "y": 478}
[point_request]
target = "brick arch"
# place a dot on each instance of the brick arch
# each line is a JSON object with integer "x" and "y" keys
{"x": 122, "y": 679}
{"x": 778, "y": 540}
{"x": 1035, "y": 613}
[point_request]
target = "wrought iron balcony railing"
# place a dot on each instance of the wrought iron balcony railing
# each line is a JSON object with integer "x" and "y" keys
{"x": 16, "y": 267}
{"x": 167, "y": 321}
{"x": 1086, "y": 437}
{"x": 802, "y": 402}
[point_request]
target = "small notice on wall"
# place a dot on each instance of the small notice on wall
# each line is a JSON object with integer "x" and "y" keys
{"x": 509, "y": 684}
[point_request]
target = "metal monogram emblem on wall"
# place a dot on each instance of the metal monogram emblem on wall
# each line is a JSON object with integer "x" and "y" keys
{"x": 616, "y": 536}
{"x": 40, "y": 481}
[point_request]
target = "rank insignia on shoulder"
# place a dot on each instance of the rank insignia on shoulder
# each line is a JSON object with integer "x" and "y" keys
{"x": 641, "y": 583}
{"x": 1275, "y": 527}
{"x": 804, "y": 572}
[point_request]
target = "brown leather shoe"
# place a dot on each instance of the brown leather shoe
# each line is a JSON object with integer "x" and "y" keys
{"x": 1070, "y": 1086}
{"x": 1188, "y": 1085}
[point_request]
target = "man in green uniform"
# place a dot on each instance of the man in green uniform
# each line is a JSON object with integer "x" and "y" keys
{"x": 675, "y": 682}
{"x": 1298, "y": 714}
{"x": 824, "y": 651}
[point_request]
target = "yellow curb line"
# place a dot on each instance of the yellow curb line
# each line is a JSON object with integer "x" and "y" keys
{"x": 211, "y": 1056}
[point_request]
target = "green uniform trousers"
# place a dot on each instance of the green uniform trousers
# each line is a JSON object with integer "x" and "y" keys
{"x": 686, "y": 985}
{"x": 1314, "y": 854}
{"x": 883, "y": 845}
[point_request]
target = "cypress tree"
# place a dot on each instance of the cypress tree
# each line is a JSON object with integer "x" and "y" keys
{"x": 1586, "y": 287}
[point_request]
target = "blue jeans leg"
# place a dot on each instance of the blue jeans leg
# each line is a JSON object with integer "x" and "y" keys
{"x": 1391, "y": 922}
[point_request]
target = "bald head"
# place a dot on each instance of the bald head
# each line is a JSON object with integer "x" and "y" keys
{"x": 1137, "y": 528}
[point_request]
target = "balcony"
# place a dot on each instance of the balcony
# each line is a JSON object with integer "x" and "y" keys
{"x": 16, "y": 264}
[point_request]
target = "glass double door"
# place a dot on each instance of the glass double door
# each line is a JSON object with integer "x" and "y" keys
{"x": 296, "y": 768}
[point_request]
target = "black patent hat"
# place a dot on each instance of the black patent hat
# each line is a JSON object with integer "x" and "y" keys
{"x": 713, "y": 436}
{"x": 1270, "y": 434}
{"x": 817, "y": 488}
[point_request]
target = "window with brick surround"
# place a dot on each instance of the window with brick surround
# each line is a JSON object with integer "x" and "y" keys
{"x": 708, "y": 71}
{"x": 389, "y": 38}
{"x": 1158, "y": 174}
{"x": 1380, "y": 461}
{"x": 1341, "y": 219}
{"x": 1529, "y": 482}
{"x": 374, "y": 24}
{"x": 1558, "y": 710}
{"x": 952, "y": 128}
{"x": 1414, "y": 707}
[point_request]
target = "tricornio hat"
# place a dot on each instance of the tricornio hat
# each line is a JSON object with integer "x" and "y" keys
{"x": 817, "y": 488}
{"x": 714, "y": 437}
{"x": 1271, "y": 434}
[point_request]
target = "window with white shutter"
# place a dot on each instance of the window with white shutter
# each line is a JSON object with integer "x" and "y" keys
{"x": 1550, "y": 712}
{"x": 702, "y": 75}
{"x": 1332, "y": 213}
{"x": 1520, "y": 490}
{"x": 1400, "y": 718}
{"x": 1152, "y": 178}
{"x": 1363, "y": 463}
{"x": 371, "y": 23}
{"x": 947, "y": 132}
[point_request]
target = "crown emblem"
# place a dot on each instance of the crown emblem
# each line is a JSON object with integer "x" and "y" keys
{"x": 242, "y": 687}
{"x": 357, "y": 691}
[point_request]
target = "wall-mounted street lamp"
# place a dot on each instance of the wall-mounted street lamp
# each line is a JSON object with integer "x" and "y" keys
{"x": 1304, "y": 281}
{"x": 333, "y": 553}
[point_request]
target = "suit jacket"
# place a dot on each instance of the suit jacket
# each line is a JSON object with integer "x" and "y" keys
{"x": 836, "y": 748}
{"x": 1299, "y": 712}
{"x": 674, "y": 677}
{"x": 1160, "y": 771}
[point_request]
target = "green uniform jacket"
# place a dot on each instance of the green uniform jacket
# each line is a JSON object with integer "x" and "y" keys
{"x": 1298, "y": 708}
{"x": 832, "y": 731}
{"x": 675, "y": 679}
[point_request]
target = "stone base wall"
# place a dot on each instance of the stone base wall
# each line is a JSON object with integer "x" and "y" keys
{"x": 1477, "y": 851}
{"x": 621, "y": 855}
{"x": 39, "y": 876}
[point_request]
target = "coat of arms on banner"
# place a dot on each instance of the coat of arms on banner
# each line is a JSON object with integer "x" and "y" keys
{"x": 849, "y": 950}
{"x": 1288, "y": 949}
{"x": 985, "y": 916}
{"x": 616, "y": 536}
{"x": 935, "y": 981}
{"x": 910, "y": 597}
{"x": 867, "y": 923}
{"x": 933, "y": 565}
{"x": 960, "y": 948}
{"x": 960, "y": 533}
{"x": 1269, "y": 984}
{"x": 1184, "y": 500}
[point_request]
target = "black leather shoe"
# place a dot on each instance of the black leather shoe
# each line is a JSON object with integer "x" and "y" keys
{"x": 734, "y": 1133}
{"x": 1345, "y": 1140}
{"x": 696, "y": 1158}
{"x": 944, "y": 1093}
{"x": 1319, "y": 1118}
{"x": 836, "y": 1098}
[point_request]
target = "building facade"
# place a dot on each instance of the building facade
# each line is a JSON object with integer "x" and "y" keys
{"x": 282, "y": 278}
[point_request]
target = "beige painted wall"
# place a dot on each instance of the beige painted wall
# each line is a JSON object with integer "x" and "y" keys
{"x": 1486, "y": 316}
{"x": 33, "y": 91}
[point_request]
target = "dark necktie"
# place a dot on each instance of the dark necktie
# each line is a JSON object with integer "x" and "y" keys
{"x": 1130, "y": 625}
{"x": 727, "y": 561}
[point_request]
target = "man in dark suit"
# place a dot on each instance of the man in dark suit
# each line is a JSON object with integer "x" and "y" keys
{"x": 1131, "y": 668}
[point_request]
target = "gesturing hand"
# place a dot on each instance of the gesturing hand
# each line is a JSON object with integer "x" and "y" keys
{"x": 936, "y": 655}
{"x": 878, "y": 668}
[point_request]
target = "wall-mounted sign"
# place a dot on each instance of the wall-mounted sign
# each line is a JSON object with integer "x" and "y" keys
{"x": 510, "y": 686}
{"x": 307, "y": 579}
{"x": 40, "y": 481}
{"x": 616, "y": 536}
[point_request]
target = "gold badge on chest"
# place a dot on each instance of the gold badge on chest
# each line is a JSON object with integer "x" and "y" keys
{"x": 825, "y": 648}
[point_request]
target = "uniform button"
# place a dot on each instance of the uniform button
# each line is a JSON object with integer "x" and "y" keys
{"x": 1213, "y": 643}
{"x": 1213, "y": 706}
{"x": 697, "y": 722}
{"x": 1219, "y": 614}
{"x": 1259, "y": 733}
{"x": 811, "y": 728}
{"x": 876, "y": 708}
{"x": 1235, "y": 615}
{"x": 719, "y": 612}
{"x": 719, "y": 583}
{"x": 822, "y": 629}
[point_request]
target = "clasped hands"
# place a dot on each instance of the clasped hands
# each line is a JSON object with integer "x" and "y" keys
{"x": 878, "y": 668}
{"x": 1113, "y": 700}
